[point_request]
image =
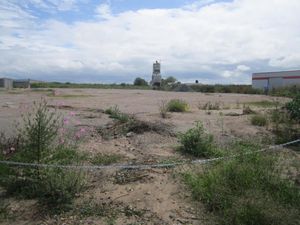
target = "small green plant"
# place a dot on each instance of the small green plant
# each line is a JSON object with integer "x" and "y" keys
{"x": 115, "y": 113}
{"x": 259, "y": 120}
{"x": 106, "y": 159}
{"x": 177, "y": 105}
{"x": 197, "y": 142}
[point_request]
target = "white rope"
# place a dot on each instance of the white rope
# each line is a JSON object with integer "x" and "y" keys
{"x": 142, "y": 166}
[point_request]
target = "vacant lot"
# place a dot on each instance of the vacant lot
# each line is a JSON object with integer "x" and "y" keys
{"x": 154, "y": 196}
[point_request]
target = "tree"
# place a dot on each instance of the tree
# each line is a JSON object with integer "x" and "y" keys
{"x": 140, "y": 82}
{"x": 170, "y": 79}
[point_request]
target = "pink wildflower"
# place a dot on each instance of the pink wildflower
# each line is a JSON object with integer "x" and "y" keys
{"x": 66, "y": 121}
{"x": 72, "y": 113}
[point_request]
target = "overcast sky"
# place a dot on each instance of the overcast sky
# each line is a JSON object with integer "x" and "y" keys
{"x": 118, "y": 40}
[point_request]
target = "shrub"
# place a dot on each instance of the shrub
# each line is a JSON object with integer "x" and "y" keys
{"x": 259, "y": 120}
{"x": 115, "y": 113}
{"x": 293, "y": 108}
{"x": 177, "y": 105}
{"x": 246, "y": 190}
{"x": 140, "y": 82}
{"x": 197, "y": 143}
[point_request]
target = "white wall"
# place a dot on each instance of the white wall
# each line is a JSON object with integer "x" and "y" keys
{"x": 259, "y": 84}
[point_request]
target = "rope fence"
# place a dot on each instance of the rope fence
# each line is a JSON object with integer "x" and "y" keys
{"x": 142, "y": 166}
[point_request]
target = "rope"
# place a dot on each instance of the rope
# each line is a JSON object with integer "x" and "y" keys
{"x": 141, "y": 166}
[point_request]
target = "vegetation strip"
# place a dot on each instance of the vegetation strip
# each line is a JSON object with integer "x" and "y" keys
{"x": 166, "y": 165}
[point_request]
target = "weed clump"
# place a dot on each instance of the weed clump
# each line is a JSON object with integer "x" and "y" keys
{"x": 259, "y": 120}
{"x": 115, "y": 113}
{"x": 197, "y": 142}
{"x": 163, "y": 109}
{"x": 210, "y": 106}
{"x": 246, "y": 190}
{"x": 177, "y": 105}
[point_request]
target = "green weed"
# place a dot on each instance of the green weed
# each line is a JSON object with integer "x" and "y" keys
{"x": 259, "y": 120}
{"x": 197, "y": 142}
{"x": 106, "y": 159}
{"x": 177, "y": 105}
{"x": 115, "y": 113}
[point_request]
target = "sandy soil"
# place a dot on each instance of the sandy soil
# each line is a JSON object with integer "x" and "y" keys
{"x": 158, "y": 193}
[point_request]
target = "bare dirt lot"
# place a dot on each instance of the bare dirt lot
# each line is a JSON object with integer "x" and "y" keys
{"x": 154, "y": 196}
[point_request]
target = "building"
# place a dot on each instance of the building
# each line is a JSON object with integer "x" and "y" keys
{"x": 270, "y": 80}
{"x": 156, "y": 76}
{"x": 22, "y": 83}
{"x": 6, "y": 83}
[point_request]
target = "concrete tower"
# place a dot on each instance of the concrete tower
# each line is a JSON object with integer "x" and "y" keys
{"x": 156, "y": 77}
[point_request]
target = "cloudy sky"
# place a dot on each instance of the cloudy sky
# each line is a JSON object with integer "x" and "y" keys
{"x": 214, "y": 41}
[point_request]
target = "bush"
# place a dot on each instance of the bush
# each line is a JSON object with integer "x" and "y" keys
{"x": 246, "y": 190}
{"x": 198, "y": 143}
{"x": 140, "y": 82}
{"x": 259, "y": 120}
{"x": 177, "y": 105}
{"x": 293, "y": 108}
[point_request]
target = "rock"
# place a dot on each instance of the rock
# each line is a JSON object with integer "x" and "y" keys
{"x": 130, "y": 134}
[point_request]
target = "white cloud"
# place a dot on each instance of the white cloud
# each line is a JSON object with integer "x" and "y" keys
{"x": 103, "y": 11}
{"x": 219, "y": 39}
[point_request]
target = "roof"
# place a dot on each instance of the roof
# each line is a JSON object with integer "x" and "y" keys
{"x": 290, "y": 74}
{"x": 5, "y": 78}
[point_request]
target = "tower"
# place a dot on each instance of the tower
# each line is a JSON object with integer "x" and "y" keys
{"x": 156, "y": 77}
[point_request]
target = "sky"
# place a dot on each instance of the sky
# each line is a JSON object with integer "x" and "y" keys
{"x": 115, "y": 41}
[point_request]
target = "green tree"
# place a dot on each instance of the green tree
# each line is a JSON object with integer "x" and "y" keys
{"x": 140, "y": 82}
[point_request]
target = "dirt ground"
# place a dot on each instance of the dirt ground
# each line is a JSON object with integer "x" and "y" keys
{"x": 154, "y": 196}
